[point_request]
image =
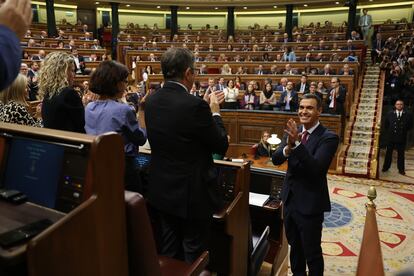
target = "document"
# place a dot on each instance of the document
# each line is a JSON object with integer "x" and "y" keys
{"x": 257, "y": 199}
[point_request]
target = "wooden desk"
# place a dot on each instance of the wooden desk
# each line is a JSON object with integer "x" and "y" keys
{"x": 14, "y": 216}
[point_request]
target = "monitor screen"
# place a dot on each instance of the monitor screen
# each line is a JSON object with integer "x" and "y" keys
{"x": 33, "y": 168}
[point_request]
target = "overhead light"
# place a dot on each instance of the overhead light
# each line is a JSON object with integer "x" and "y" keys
{"x": 245, "y": 8}
{"x": 371, "y": 0}
{"x": 275, "y": 7}
{"x": 128, "y": 5}
{"x": 305, "y": 5}
{"x": 187, "y": 8}
{"x": 337, "y": 3}
{"x": 158, "y": 7}
{"x": 216, "y": 8}
{"x": 96, "y": 3}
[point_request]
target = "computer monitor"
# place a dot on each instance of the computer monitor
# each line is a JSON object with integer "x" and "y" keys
{"x": 49, "y": 174}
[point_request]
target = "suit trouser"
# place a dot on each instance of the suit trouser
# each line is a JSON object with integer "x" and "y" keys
{"x": 400, "y": 147}
{"x": 304, "y": 233}
{"x": 365, "y": 33}
{"x": 184, "y": 239}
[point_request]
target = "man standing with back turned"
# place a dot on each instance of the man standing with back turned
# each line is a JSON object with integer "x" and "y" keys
{"x": 309, "y": 151}
{"x": 184, "y": 132}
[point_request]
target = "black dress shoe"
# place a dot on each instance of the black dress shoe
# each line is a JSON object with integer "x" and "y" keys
{"x": 384, "y": 170}
{"x": 402, "y": 172}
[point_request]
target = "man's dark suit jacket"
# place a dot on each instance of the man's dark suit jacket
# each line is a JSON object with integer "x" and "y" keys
{"x": 396, "y": 129}
{"x": 298, "y": 85}
{"x": 10, "y": 55}
{"x": 375, "y": 45}
{"x": 183, "y": 135}
{"x": 305, "y": 186}
{"x": 293, "y": 104}
{"x": 340, "y": 100}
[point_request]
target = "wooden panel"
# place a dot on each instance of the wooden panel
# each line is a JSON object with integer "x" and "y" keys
{"x": 250, "y": 124}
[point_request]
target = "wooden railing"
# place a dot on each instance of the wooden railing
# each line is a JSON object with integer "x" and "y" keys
{"x": 377, "y": 133}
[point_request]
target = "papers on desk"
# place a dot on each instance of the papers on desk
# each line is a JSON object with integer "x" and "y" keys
{"x": 257, "y": 199}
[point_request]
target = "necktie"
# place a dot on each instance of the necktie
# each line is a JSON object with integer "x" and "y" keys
{"x": 304, "y": 138}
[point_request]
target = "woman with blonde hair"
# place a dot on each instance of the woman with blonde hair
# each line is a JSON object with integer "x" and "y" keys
{"x": 263, "y": 147}
{"x": 15, "y": 105}
{"x": 62, "y": 106}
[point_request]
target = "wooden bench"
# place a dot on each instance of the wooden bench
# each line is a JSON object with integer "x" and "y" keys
{"x": 255, "y": 56}
{"x": 252, "y": 66}
{"x": 53, "y": 42}
{"x": 162, "y": 46}
{"x": 82, "y": 52}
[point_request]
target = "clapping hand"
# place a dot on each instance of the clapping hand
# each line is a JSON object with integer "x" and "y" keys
{"x": 292, "y": 131}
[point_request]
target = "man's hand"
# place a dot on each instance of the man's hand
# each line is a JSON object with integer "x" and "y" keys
{"x": 214, "y": 102}
{"x": 16, "y": 15}
{"x": 292, "y": 132}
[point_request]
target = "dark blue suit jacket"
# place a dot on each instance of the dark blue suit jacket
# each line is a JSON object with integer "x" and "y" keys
{"x": 183, "y": 135}
{"x": 305, "y": 186}
{"x": 10, "y": 56}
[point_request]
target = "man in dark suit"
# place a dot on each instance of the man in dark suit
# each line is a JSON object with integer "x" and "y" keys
{"x": 79, "y": 62}
{"x": 303, "y": 85}
{"x": 336, "y": 97}
{"x": 184, "y": 132}
{"x": 397, "y": 123}
{"x": 377, "y": 47}
{"x": 288, "y": 100}
{"x": 309, "y": 151}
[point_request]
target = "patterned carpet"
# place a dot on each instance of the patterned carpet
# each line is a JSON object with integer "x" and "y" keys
{"x": 362, "y": 125}
{"x": 343, "y": 227}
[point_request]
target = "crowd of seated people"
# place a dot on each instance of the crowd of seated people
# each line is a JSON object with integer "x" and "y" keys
{"x": 280, "y": 97}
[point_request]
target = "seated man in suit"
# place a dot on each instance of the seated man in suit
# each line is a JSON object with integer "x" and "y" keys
{"x": 309, "y": 150}
{"x": 308, "y": 57}
{"x": 221, "y": 84}
{"x": 336, "y": 97}
{"x": 312, "y": 90}
{"x": 261, "y": 71}
{"x": 211, "y": 86}
{"x": 349, "y": 46}
{"x": 288, "y": 100}
{"x": 282, "y": 85}
{"x": 95, "y": 45}
{"x": 327, "y": 71}
{"x": 346, "y": 70}
{"x": 289, "y": 70}
{"x": 303, "y": 85}
{"x": 79, "y": 62}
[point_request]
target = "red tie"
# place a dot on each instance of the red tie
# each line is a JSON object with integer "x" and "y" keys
{"x": 304, "y": 138}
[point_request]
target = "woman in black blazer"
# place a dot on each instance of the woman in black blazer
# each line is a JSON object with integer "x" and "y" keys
{"x": 62, "y": 106}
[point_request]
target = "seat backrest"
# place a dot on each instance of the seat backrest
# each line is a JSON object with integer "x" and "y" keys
{"x": 142, "y": 253}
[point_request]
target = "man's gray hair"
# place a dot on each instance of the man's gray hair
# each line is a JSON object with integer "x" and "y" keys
{"x": 175, "y": 62}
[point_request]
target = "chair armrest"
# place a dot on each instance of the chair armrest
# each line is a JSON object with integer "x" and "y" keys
{"x": 226, "y": 211}
{"x": 199, "y": 265}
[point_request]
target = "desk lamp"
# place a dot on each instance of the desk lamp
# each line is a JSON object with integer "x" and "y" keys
{"x": 273, "y": 142}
